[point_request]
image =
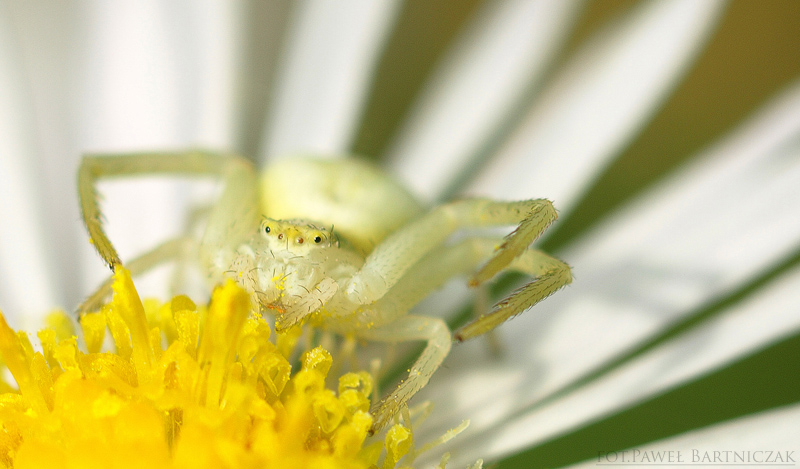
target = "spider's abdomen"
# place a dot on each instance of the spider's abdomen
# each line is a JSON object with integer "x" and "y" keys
{"x": 362, "y": 203}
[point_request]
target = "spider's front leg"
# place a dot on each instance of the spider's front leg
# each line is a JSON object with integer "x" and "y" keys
{"x": 171, "y": 250}
{"x": 396, "y": 254}
{"x": 409, "y": 328}
{"x": 230, "y": 219}
{"x": 233, "y": 216}
{"x": 550, "y": 274}
{"x": 423, "y": 278}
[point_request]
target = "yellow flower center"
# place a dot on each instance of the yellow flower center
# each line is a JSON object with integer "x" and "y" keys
{"x": 184, "y": 387}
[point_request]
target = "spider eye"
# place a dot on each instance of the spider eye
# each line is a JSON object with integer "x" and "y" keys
{"x": 300, "y": 240}
{"x": 280, "y": 236}
{"x": 267, "y": 229}
{"x": 317, "y": 239}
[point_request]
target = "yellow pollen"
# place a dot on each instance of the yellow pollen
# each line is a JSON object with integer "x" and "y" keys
{"x": 183, "y": 387}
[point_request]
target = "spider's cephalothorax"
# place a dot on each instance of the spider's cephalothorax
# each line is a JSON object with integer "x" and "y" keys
{"x": 396, "y": 253}
{"x": 300, "y": 236}
{"x": 292, "y": 268}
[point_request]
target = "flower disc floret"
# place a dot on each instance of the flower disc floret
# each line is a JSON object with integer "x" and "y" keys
{"x": 183, "y": 387}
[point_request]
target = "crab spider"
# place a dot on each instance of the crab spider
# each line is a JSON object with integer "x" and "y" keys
{"x": 273, "y": 234}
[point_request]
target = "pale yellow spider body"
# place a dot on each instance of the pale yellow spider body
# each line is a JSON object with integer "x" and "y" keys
{"x": 341, "y": 244}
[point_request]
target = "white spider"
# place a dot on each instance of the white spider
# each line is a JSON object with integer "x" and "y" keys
{"x": 387, "y": 253}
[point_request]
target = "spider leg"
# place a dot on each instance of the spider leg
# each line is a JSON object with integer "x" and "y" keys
{"x": 196, "y": 216}
{"x": 169, "y": 250}
{"x": 550, "y": 275}
{"x": 399, "y": 252}
{"x": 236, "y": 210}
{"x": 429, "y": 274}
{"x": 407, "y": 328}
{"x": 480, "y": 306}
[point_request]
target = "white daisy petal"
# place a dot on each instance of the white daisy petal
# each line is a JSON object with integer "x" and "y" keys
{"x": 598, "y": 103}
{"x": 212, "y": 39}
{"x": 478, "y": 84}
{"x": 647, "y": 267}
{"x": 265, "y": 25}
{"x": 101, "y": 81}
{"x": 751, "y": 325}
{"x": 765, "y": 438}
{"x": 27, "y": 281}
{"x": 48, "y": 36}
{"x": 150, "y": 80}
{"x": 325, "y": 74}
{"x": 88, "y": 75}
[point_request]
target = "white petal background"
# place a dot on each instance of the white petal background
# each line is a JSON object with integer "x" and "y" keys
{"x": 332, "y": 80}
{"x": 495, "y": 117}
{"x": 633, "y": 281}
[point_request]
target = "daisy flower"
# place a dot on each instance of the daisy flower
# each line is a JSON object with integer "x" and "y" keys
{"x": 678, "y": 336}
